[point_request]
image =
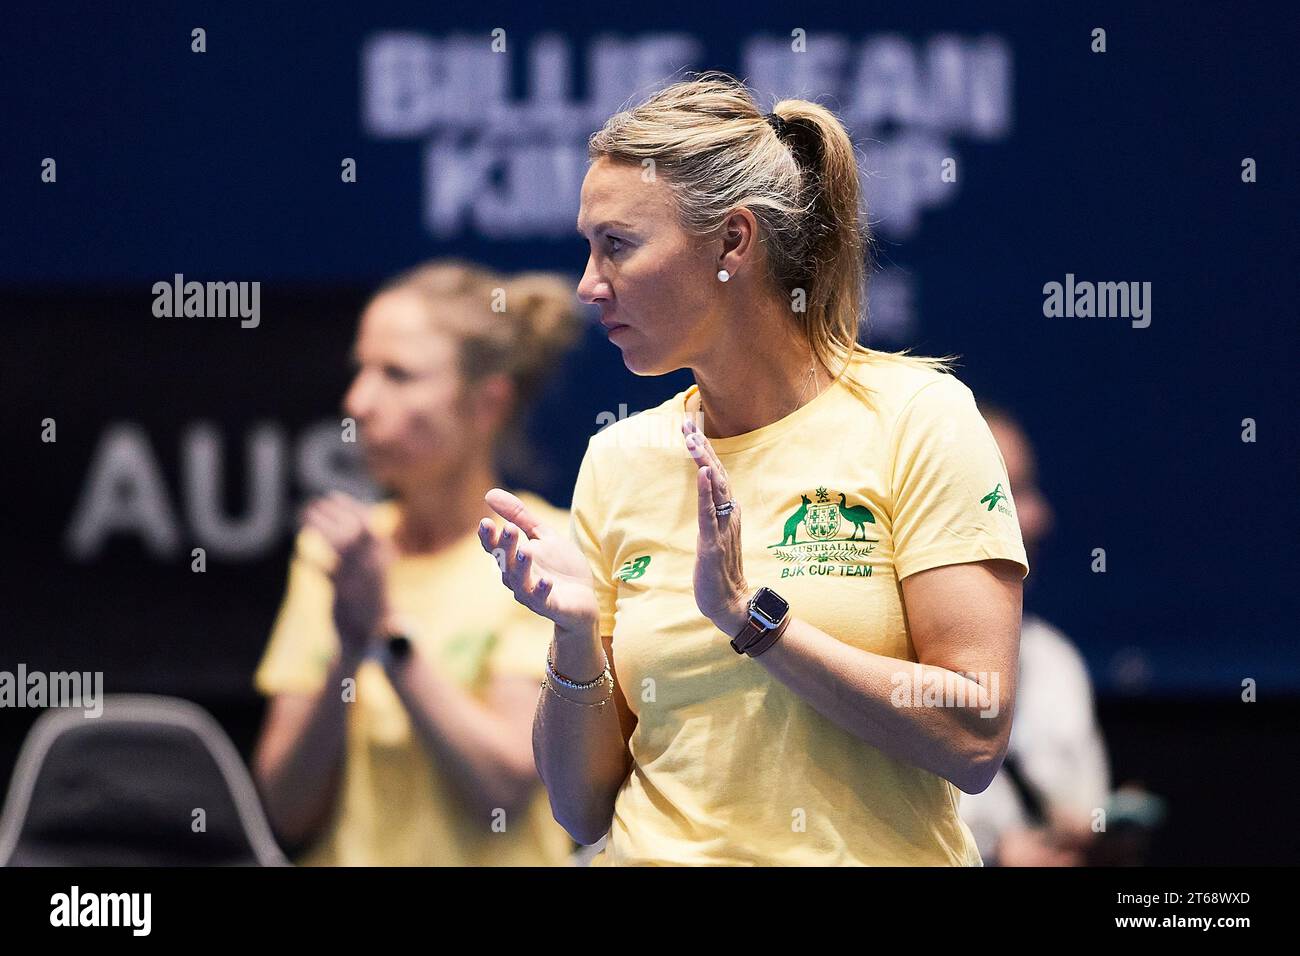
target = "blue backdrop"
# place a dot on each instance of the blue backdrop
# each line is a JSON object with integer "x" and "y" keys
{"x": 1124, "y": 165}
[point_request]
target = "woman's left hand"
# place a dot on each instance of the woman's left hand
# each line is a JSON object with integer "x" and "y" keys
{"x": 721, "y": 592}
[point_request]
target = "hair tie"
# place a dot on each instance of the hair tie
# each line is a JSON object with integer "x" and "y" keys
{"x": 779, "y": 126}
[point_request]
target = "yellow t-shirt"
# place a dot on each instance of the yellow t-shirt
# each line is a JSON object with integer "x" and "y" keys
{"x": 839, "y": 503}
{"x": 395, "y": 806}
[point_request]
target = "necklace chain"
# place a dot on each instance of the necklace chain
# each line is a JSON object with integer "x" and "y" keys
{"x": 812, "y": 376}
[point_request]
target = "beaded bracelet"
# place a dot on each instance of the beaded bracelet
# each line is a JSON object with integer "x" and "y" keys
{"x": 577, "y": 685}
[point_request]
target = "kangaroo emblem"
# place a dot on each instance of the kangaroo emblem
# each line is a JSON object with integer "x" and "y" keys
{"x": 792, "y": 522}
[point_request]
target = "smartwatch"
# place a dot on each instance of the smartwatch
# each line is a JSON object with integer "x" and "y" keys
{"x": 769, "y": 615}
{"x": 397, "y": 646}
{"x": 393, "y": 640}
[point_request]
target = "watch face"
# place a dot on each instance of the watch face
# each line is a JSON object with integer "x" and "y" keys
{"x": 399, "y": 645}
{"x": 770, "y": 604}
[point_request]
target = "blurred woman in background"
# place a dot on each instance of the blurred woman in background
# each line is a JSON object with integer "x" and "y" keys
{"x": 402, "y": 677}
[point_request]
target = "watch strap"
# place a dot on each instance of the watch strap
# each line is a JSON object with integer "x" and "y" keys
{"x": 751, "y": 632}
{"x": 768, "y": 639}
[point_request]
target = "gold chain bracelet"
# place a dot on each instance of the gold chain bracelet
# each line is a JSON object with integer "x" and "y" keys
{"x": 546, "y": 682}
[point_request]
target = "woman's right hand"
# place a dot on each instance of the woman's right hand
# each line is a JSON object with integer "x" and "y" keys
{"x": 553, "y": 578}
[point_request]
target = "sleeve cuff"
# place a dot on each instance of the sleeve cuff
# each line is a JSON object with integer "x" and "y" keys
{"x": 937, "y": 557}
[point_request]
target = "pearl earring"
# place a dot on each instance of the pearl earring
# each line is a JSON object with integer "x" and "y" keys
{"x": 723, "y": 275}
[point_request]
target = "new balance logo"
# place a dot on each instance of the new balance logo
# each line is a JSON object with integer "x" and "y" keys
{"x": 633, "y": 568}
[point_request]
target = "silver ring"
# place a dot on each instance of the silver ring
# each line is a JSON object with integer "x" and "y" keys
{"x": 725, "y": 508}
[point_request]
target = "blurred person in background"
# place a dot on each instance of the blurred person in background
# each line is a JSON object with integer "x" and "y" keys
{"x": 1038, "y": 809}
{"x": 402, "y": 677}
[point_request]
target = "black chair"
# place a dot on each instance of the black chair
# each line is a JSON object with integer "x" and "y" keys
{"x": 126, "y": 788}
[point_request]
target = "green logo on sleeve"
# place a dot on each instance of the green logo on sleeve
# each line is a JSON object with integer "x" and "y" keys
{"x": 633, "y": 568}
{"x": 995, "y": 498}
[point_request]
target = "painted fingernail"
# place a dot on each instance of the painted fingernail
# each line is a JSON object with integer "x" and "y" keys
{"x": 519, "y": 557}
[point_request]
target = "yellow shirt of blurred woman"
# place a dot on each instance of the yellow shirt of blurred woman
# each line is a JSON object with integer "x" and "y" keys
{"x": 396, "y": 806}
{"x": 839, "y": 502}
